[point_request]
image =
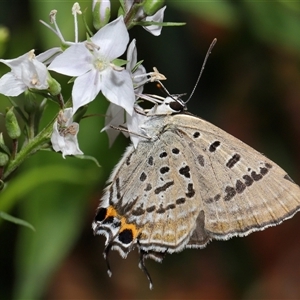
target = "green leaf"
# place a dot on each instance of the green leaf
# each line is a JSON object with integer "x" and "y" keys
{"x": 15, "y": 220}
{"x": 165, "y": 24}
{"x": 16, "y": 189}
{"x": 120, "y": 62}
{"x": 55, "y": 201}
{"x": 137, "y": 65}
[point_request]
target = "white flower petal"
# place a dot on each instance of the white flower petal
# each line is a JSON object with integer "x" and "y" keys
{"x": 16, "y": 63}
{"x": 157, "y": 17}
{"x": 112, "y": 39}
{"x": 117, "y": 88}
{"x": 115, "y": 115}
{"x": 48, "y": 56}
{"x": 134, "y": 124}
{"x": 57, "y": 140}
{"x": 26, "y": 72}
{"x": 35, "y": 75}
{"x": 86, "y": 88}
{"x": 11, "y": 86}
{"x": 66, "y": 139}
{"x": 131, "y": 56}
{"x": 74, "y": 61}
{"x": 71, "y": 143}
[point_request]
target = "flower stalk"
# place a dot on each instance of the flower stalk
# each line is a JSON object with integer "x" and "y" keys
{"x": 32, "y": 146}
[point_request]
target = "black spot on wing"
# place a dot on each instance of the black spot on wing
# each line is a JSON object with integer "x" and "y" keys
{"x": 101, "y": 214}
{"x": 230, "y": 193}
{"x": 138, "y": 211}
{"x": 163, "y": 154}
{"x": 170, "y": 206}
{"x": 233, "y": 160}
{"x": 180, "y": 201}
{"x": 150, "y": 160}
{"x": 143, "y": 176}
{"x": 248, "y": 180}
{"x": 164, "y": 170}
{"x": 151, "y": 209}
{"x": 185, "y": 171}
{"x": 256, "y": 176}
{"x": 213, "y": 147}
{"x": 126, "y": 236}
{"x": 196, "y": 134}
{"x": 175, "y": 151}
{"x": 263, "y": 171}
{"x": 163, "y": 187}
{"x": 191, "y": 191}
{"x": 240, "y": 186}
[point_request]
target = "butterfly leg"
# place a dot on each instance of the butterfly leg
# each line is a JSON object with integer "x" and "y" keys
{"x": 121, "y": 128}
{"x": 143, "y": 256}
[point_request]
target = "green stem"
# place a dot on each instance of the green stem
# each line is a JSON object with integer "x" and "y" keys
{"x": 14, "y": 148}
{"x": 31, "y": 147}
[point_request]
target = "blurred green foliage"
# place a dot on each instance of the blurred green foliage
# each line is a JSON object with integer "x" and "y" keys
{"x": 251, "y": 87}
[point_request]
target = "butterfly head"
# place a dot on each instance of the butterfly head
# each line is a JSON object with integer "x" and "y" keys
{"x": 176, "y": 104}
{"x": 170, "y": 105}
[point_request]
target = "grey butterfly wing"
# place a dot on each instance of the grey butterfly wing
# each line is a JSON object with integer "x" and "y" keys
{"x": 152, "y": 188}
{"x": 246, "y": 191}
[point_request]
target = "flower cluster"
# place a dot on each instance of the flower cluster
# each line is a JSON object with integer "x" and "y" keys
{"x": 95, "y": 67}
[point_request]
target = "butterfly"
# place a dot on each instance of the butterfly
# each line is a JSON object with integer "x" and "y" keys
{"x": 189, "y": 183}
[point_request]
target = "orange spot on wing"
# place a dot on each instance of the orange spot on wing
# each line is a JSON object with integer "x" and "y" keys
{"x": 111, "y": 212}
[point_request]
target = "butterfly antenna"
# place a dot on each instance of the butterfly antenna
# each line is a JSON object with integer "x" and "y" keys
{"x": 202, "y": 69}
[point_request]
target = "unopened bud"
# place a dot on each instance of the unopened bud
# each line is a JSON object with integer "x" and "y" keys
{"x": 54, "y": 87}
{"x": 3, "y": 147}
{"x": 150, "y": 7}
{"x": 12, "y": 125}
{"x": 101, "y": 13}
{"x": 29, "y": 103}
{"x": 4, "y": 158}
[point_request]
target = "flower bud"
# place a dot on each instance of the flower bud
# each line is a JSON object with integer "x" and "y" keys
{"x": 3, "y": 147}
{"x": 11, "y": 124}
{"x": 54, "y": 87}
{"x": 4, "y": 158}
{"x": 101, "y": 13}
{"x": 29, "y": 103}
{"x": 150, "y": 7}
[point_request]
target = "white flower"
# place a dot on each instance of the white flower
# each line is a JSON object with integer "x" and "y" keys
{"x": 26, "y": 72}
{"x": 115, "y": 115}
{"x": 64, "y": 136}
{"x": 134, "y": 125}
{"x": 92, "y": 62}
{"x": 138, "y": 75}
{"x": 48, "y": 56}
{"x": 140, "y": 15}
{"x": 157, "y": 17}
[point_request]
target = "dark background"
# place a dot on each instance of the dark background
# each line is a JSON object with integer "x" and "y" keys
{"x": 250, "y": 88}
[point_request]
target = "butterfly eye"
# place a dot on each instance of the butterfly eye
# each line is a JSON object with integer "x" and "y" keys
{"x": 176, "y": 106}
